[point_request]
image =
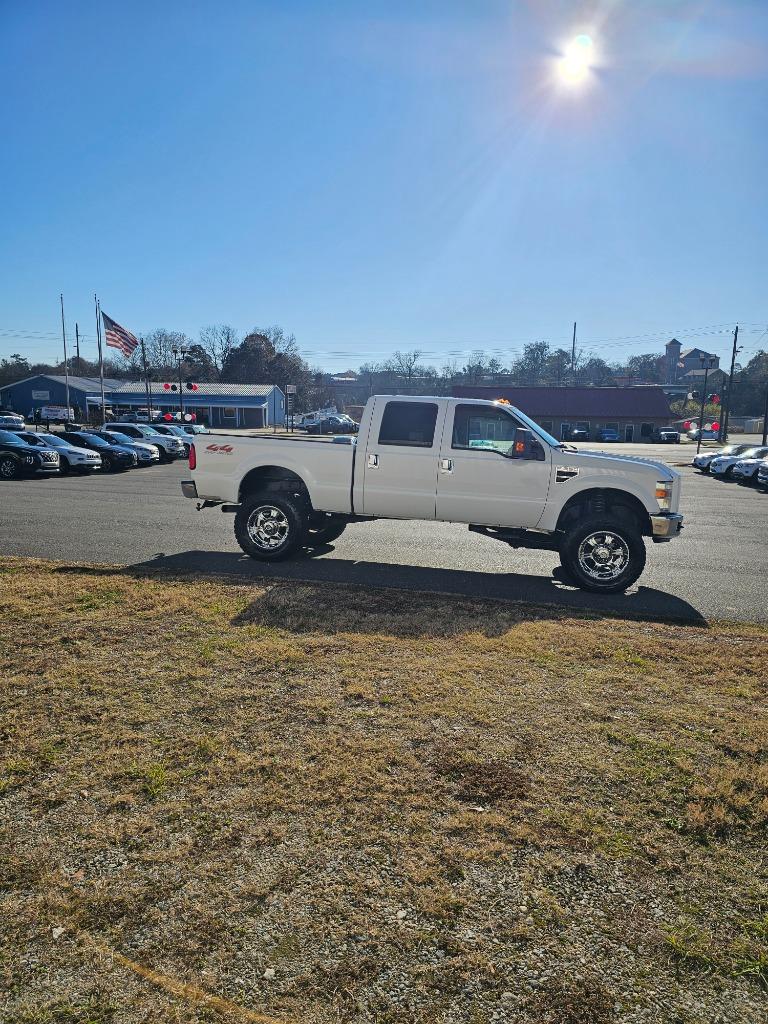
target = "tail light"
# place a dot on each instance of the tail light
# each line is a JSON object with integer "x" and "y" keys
{"x": 192, "y": 457}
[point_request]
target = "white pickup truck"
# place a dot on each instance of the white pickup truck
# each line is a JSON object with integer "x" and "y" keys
{"x": 448, "y": 459}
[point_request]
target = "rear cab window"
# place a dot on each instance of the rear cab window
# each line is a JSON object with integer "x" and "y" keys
{"x": 408, "y": 424}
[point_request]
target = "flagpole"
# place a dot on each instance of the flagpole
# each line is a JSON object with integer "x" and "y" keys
{"x": 101, "y": 359}
{"x": 146, "y": 380}
{"x": 66, "y": 368}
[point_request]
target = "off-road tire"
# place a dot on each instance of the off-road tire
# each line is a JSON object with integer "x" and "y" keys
{"x": 283, "y": 521}
{"x": 624, "y": 550}
{"x": 321, "y": 533}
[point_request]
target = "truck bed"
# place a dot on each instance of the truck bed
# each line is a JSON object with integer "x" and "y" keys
{"x": 224, "y": 460}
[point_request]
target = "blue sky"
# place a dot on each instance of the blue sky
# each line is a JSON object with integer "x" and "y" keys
{"x": 374, "y": 176}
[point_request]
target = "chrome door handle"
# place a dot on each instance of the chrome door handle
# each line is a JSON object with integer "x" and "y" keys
{"x": 373, "y": 461}
{"x": 446, "y": 465}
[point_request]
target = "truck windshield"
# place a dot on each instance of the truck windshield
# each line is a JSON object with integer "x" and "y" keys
{"x": 539, "y": 431}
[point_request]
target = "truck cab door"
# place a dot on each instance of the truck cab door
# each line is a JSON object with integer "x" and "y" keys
{"x": 482, "y": 478}
{"x": 401, "y": 458}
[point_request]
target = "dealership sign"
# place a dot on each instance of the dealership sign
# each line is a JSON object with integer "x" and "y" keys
{"x": 41, "y": 396}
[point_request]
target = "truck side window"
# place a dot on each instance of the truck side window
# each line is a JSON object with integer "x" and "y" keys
{"x": 408, "y": 423}
{"x": 481, "y": 428}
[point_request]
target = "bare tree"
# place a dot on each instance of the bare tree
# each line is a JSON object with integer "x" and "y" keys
{"x": 477, "y": 366}
{"x": 405, "y": 364}
{"x": 217, "y": 341}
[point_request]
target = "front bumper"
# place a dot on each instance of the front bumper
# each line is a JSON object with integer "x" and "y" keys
{"x": 666, "y": 526}
{"x": 189, "y": 489}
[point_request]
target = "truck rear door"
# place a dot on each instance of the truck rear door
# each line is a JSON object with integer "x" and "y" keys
{"x": 401, "y": 458}
{"x": 478, "y": 481}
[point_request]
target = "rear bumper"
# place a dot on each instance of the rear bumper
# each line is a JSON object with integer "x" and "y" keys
{"x": 189, "y": 489}
{"x": 665, "y": 527}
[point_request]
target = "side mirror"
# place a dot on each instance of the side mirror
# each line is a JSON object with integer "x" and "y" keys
{"x": 521, "y": 445}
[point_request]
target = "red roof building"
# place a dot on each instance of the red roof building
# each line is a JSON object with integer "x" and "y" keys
{"x": 633, "y": 412}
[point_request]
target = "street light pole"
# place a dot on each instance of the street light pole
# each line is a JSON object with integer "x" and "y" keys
{"x": 180, "y": 354}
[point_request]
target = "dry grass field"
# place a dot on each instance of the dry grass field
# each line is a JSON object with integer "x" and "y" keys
{"x": 300, "y": 803}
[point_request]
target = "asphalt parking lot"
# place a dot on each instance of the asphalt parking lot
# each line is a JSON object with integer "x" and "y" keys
{"x": 717, "y": 569}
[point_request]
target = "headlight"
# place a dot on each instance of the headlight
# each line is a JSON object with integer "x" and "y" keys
{"x": 664, "y": 494}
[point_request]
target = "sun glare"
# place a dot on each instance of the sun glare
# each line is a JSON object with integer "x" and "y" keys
{"x": 576, "y": 62}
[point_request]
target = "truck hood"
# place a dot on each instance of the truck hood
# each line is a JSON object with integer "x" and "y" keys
{"x": 584, "y": 457}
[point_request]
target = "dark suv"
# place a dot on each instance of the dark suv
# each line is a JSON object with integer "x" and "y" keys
{"x": 113, "y": 456}
{"x": 18, "y": 458}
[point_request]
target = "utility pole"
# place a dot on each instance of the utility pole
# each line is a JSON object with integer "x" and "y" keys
{"x": 77, "y": 345}
{"x": 573, "y": 356}
{"x": 726, "y": 412}
{"x": 66, "y": 367}
{"x": 707, "y": 365}
{"x": 765, "y": 417}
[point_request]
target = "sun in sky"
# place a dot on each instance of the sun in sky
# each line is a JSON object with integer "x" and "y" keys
{"x": 577, "y": 60}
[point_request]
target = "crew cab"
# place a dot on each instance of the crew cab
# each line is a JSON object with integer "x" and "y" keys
{"x": 482, "y": 463}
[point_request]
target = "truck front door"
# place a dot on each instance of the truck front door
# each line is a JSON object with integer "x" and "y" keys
{"x": 401, "y": 459}
{"x": 480, "y": 479}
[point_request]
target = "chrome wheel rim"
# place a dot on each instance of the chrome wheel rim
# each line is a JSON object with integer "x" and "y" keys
{"x": 603, "y": 555}
{"x": 268, "y": 527}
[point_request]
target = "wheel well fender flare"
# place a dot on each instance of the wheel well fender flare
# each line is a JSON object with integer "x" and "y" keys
{"x": 604, "y": 500}
{"x": 273, "y": 478}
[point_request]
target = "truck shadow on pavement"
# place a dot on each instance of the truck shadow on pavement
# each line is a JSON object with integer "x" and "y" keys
{"x": 554, "y": 591}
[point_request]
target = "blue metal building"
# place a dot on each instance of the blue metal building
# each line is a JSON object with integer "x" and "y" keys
{"x": 218, "y": 405}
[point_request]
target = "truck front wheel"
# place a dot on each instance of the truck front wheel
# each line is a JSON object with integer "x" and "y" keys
{"x": 270, "y": 527}
{"x": 603, "y": 555}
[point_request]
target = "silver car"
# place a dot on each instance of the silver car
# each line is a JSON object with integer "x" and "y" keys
{"x": 146, "y": 454}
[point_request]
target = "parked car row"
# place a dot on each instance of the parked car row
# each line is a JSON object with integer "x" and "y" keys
{"x": 744, "y": 463}
{"x": 116, "y": 446}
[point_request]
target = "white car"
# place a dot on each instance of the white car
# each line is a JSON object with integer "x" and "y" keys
{"x": 71, "y": 458}
{"x": 703, "y": 460}
{"x": 746, "y": 471}
{"x": 723, "y": 466}
{"x": 11, "y": 421}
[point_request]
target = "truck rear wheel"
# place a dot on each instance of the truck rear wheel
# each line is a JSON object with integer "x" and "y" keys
{"x": 603, "y": 555}
{"x": 320, "y": 533}
{"x": 270, "y": 527}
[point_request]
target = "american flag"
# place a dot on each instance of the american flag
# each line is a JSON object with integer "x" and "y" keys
{"x": 118, "y": 337}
